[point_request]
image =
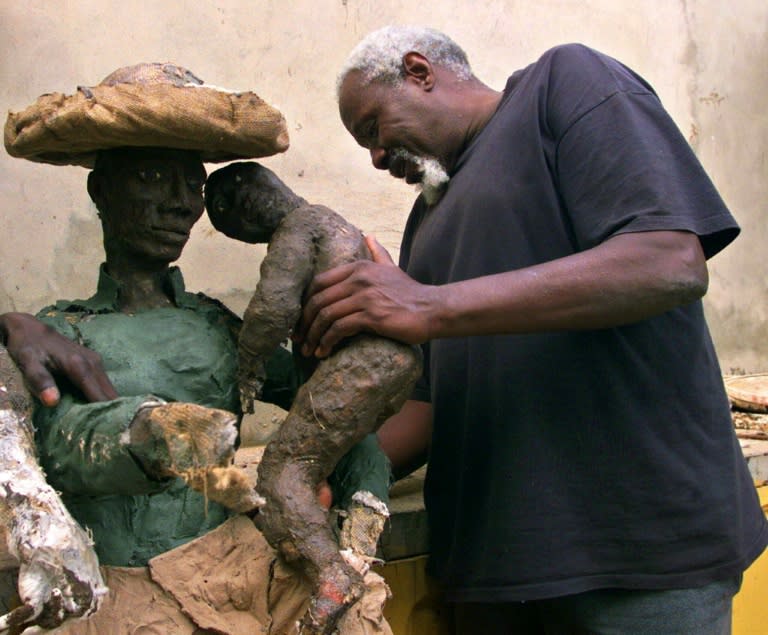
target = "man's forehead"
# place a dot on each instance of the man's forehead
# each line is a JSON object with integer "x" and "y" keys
{"x": 350, "y": 88}
{"x": 359, "y": 98}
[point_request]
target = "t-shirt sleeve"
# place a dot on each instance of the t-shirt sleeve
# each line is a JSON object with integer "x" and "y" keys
{"x": 624, "y": 166}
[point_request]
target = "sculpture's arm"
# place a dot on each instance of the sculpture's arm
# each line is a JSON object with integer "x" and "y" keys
{"x": 275, "y": 306}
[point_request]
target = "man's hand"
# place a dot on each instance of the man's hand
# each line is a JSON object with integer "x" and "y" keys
{"x": 40, "y": 353}
{"x": 364, "y": 296}
{"x": 324, "y": 495}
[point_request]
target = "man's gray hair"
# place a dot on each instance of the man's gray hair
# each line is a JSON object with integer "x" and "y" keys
{"x": 379, "y": 56}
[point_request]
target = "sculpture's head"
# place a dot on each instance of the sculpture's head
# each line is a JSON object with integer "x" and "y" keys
{"x": 247, "y": 201}
{"x": 148, "y": 200}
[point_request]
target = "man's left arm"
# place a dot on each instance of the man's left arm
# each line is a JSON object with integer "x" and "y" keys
{"x": 627, "y": 278}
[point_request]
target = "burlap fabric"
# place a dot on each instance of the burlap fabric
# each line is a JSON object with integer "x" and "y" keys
{"x": 147, "y": 105}
{"x": 228, "y": 582}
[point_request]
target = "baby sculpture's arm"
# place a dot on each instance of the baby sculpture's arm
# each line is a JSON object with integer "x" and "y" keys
{"x": 275, "y": 306}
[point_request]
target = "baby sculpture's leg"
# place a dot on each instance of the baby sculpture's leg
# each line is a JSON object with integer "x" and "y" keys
{"x": 349, "y": 395}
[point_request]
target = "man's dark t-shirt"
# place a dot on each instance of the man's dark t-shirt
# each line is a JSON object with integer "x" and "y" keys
{"x": 564, "y": 462}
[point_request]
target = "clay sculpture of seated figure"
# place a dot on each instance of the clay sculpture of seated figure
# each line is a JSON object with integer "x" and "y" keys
{"x": 347, "y": 396}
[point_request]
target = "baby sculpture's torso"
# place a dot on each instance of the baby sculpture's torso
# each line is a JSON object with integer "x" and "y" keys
{"x": 336, "y": 241}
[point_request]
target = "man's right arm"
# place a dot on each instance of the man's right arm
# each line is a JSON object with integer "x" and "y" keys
{"x": 41, "y": 354}
{"x": 405, "y": 437}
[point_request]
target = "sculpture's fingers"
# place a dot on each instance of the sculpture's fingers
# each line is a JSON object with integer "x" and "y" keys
{"x": 247, "y": 396}
{"x": 16, "y": 618}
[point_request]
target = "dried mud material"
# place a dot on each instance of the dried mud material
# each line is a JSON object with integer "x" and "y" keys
{"x": 58, "y": 573}
{"x": 198, "y": 445}
{"x": 347, "y": 396}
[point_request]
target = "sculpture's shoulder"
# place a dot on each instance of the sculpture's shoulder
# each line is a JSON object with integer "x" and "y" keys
{"x": 323, "y": 218}
{"x": 336, "y": 239}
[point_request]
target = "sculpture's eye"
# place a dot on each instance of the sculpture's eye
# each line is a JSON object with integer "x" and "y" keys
{"x": 238, "y": 178}
{"x": 195, "y": 184}
{"x": 150, "y": 175}
{"x": 220, "y": 206}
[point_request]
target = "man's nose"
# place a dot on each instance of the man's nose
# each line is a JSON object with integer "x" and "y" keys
{"x": 379, "y": 158}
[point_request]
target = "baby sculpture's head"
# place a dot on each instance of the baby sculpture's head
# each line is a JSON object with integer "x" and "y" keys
{"x": 247, "y": 201}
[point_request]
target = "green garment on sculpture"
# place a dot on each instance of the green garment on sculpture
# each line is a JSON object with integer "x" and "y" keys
{"x": 185, "y": 353}
{"x": 365, "y": 468}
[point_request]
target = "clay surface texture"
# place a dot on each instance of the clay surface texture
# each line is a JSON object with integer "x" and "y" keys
{"x": 348, "y": 394}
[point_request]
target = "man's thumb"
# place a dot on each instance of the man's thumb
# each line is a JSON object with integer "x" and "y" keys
{"x": 378, "y": 253}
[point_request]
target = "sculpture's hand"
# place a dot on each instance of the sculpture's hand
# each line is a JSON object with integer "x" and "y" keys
{"x": 58, "y": 579}
{"x": 59, "y": 574}
{"x": 363, "y": 523}
{"x": 181, "y": 439}
{"x": 360, "y": 484}
{"x": 251, "y": 377}
{"x": 41, "y": 353}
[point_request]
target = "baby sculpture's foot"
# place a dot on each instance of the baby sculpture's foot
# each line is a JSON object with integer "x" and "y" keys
{"x": 339, "y": 587}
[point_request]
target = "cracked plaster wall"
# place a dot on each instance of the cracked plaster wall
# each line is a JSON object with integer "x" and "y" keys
{"x": 706, "y": 59}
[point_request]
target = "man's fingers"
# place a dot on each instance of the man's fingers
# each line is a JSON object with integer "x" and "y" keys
{"x": 329, "y": 278}
{"x": 39, "y": 380}
{"x": 330, "y": 326}
{"x": 86, "y": 371}
{"x": 49, "y": 397}
{"x": 334, "y": 303}
{"x": 318, "y": 301}
{"x": 41, "y": 353}
{"x": 98, "y": 388}
{"x": 378, "y": 253}
{"x": 344, "y": 327}
{"x": 324, "y": 495}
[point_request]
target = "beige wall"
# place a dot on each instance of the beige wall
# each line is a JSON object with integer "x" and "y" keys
{"x": 706, "y": 58}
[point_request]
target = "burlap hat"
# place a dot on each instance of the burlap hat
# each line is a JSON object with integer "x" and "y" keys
{"x": 154, "y": 105}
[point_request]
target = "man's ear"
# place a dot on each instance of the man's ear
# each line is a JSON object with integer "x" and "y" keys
{"x": 418, "y": 68}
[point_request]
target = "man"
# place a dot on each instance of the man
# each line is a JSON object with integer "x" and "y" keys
{"x": 584, "y": 475}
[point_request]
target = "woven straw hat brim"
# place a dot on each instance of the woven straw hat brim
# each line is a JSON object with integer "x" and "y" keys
{"x": 221, "y": 125}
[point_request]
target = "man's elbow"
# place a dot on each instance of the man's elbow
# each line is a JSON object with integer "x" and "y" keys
{"x": 691, "y": 279}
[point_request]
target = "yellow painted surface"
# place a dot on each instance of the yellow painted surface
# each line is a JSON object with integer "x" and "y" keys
{"x": 750, "y": 607}
{"x": 415, "y": 607}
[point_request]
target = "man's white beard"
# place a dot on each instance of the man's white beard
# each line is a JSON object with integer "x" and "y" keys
{"x": 434, "y": 177}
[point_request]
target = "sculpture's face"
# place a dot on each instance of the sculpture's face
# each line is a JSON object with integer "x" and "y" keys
{"x": 149, "y": 200}
{"x": 247, "y": 201}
